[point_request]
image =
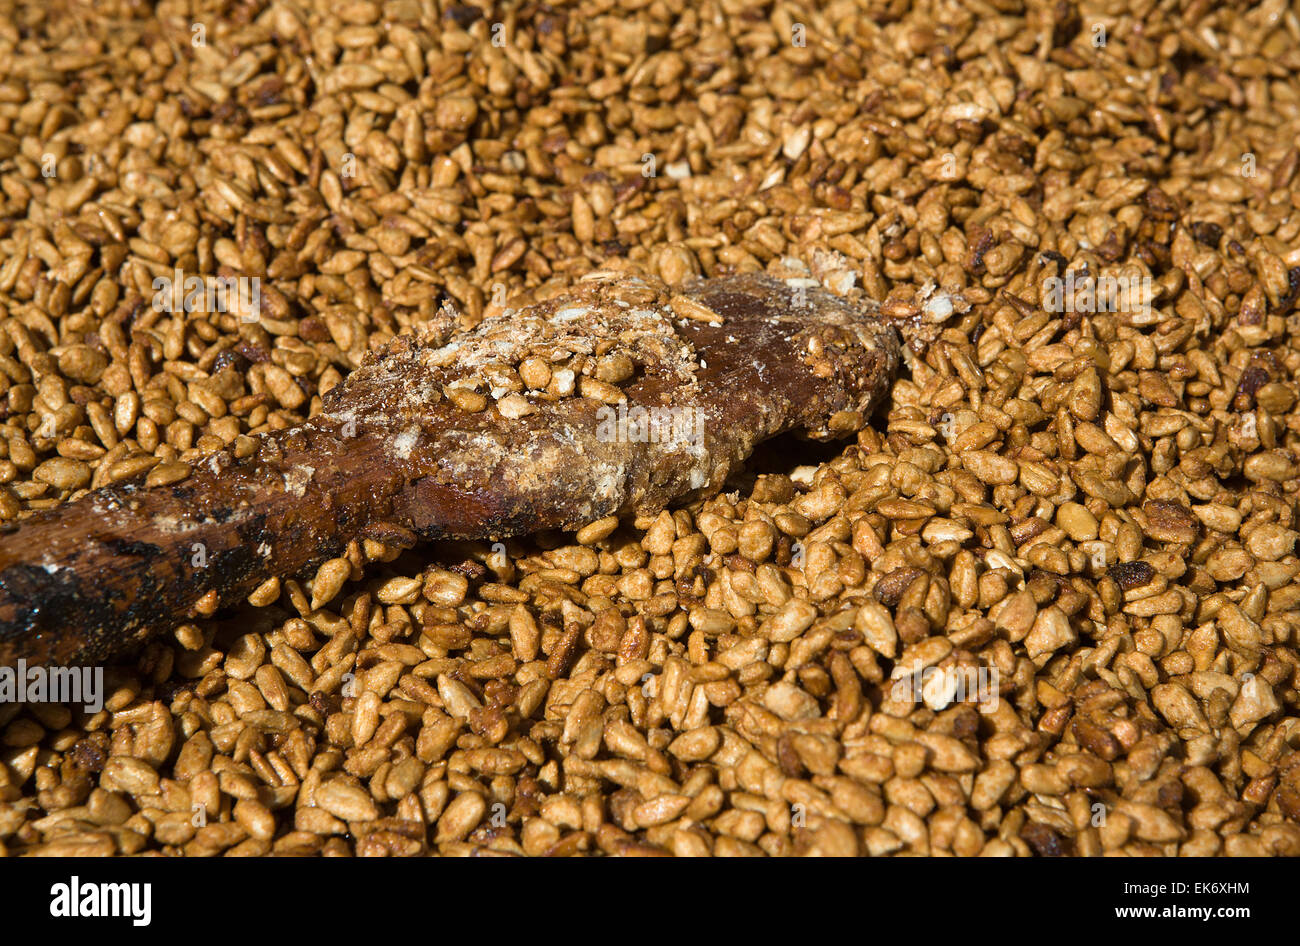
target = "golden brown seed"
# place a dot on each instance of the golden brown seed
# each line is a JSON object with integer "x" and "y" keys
{"x": 1077, "y": 521}
{"x": 791, "y": 621}
{"x": 345, "y": 801}
{"x": 989, "y": 467}
{"x": 467, "y": 400}
{"x": 600, "y": 390}
{"x": 614, "y": 369}
{"x": 535, "y": 373}
{"x": 265, "y": 593}
{"x": 132, "y": 466}
{"x": 687, "y": 308}
{"x": 596, "y": 531}
{"x": 63, "y": 473}
{"x": 329, "y": 581}
{"x": 445, "y": 588}
{"x": 165, "y": 474}
{"x": 524, "y": 633}
{"x": 399, "y": 590}
{"x": 461, "y": 816}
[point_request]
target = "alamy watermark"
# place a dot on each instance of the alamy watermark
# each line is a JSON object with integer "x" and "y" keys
{"x": 650, "y": 425}
{"x": 938, "y": 688}
{"x": 76, "y": 898}
{"x": 220, "y": 294}
{"x": 38, "y": 684}
{"x": 1086, "y": 293}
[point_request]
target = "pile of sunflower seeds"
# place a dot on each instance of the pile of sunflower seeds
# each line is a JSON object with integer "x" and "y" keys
{"x": 1047, "y": 604}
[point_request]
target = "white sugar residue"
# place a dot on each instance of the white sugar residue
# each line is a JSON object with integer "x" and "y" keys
{"x": 175, "y": 525}
{"x": 514, "y": 406}
{"x": 296, "y": 480}
{"x": 841, "y": 281}
{"x": 608, "y": 483}
{"x": 404, "y": 442}
{"x": 909, "y": 357}
{"x": 698, "y": 452}
{"x": 803, "y": 476}
{"x": 939, "y": 307}
{"x": 264, "y": 550}
{"x": 563, "y": 380}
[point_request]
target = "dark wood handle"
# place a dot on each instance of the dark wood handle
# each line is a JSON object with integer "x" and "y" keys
{"x": 95, "y": 577}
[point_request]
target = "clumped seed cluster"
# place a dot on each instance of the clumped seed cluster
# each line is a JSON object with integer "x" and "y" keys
{"x": 1099, "y": 504}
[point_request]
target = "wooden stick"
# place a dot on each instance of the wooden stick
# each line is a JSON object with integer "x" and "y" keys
{"x": 648, "y": 395}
